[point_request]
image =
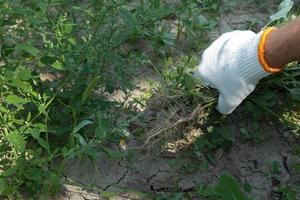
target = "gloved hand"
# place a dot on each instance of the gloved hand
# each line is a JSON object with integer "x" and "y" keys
{"x": 233, "y": 65}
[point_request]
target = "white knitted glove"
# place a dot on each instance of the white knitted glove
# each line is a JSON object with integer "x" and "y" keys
{"x": 232, "y": 66}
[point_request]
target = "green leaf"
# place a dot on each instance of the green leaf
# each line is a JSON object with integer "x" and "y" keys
{"x": 283, "y": 10}
{"x": 163, "y": 12}
{"x": 58, "y": 65}
{"x": 28, "y": 116}
{"x": 112, "y": 153}
{"x": 168, "y": 38}
{"x": 228, "y": 188}
{"x": 190, "y": 83}
{"x": 47, "y": 60}
{"x": 51, "y": 182}
{"x": 68, "y": 28}
{"x": 89, "y": 89}
{"x": 89, "y": 12}
{"x": 90, "y": 151}
{"x": 29, "y": 48}
{"x": 201, "y": 20}
{"x": 43, "y": 143}
{"x": 227, "y": 133}
{"x": 81, "y": 125}
{"x": 35, "y": 133}
{"x": 9, "y": 172}
{"x": 110, "y": 87}
{"x": 114, "y": 58}
{"x": 17, "y": 141}
{"x": 101, "y": 129}
{"x": 2, "y": 185}
{"x": 295, "y": 94}
{"x": 269, "y": 95}
{"x": 247, "y": 187}
{"x": 24, "y": 74}
{"x": 128, "y": 18}
{"x": 69, "y": 153}
{"x": 20, "y": 84}
{"x": 3, "y": 109}
{"x": 72, "y": 41}
{"x": 178, "y": 196}
{"x": 201, "y": 143}
{"x": 204, "y": 190}
{"x": 249, "y": 106}
{"x": 100, "y": 132}
{"x": 121, "y": 37}
{"x": 244, "y": 131}
{"x": 80, "y": 139}
{"x": 13, "y": 99}
{"x": 43, "y": 6}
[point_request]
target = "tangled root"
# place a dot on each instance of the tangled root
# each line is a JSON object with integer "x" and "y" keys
{"x": 175, "y": 123}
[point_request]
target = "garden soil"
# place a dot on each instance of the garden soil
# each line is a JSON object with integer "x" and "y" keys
{"x": 151, "y": 171}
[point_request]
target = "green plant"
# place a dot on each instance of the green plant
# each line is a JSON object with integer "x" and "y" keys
{"x": 288, "y": 192}
{"x": 216, "y": 137}
{"x": 60, "y": 63}
{"x": 226, "y": 189}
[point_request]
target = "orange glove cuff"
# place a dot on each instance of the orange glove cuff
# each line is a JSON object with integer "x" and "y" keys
{"x": 261, "y": 52}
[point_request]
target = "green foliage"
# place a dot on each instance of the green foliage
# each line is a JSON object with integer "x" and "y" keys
{"x": 283, "y": 10}
{"x": 275, "y": 168}
{"x": 60, "y": 63}
{"x": 288, "y": 192}
{"x": 226, "y": 189}
{"x": 216, "y": 137}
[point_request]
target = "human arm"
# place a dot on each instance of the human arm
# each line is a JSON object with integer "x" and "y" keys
{"x": 283, "y": 44}
{"x": 237, "y": 60}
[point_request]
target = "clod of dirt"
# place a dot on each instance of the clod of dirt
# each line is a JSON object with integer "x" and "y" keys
{"x": 162, "y": 181}
{"x": 103, "y": 174}
{"x": 292, "y": 163}
{"x": 187, "y": 184}
{"x": 127, "y": 196}
{"x": 77, "y": 193}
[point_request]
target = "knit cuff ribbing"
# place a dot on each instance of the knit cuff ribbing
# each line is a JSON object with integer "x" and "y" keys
{"x": 250, "y": 68}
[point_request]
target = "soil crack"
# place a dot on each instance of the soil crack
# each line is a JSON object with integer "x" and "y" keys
{"x": 118, "y": 182}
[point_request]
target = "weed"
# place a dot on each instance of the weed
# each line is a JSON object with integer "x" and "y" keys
{"x": 288, "y": 192}
{"x": 227, "y": 188}
{"x": 60, "y": 63}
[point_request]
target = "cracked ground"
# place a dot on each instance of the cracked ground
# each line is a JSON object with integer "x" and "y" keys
{"x": 246, "y": 161}
{"x": 151, "y": 172}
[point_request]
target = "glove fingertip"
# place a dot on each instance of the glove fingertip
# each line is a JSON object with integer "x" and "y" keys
{"x": 224, "y": 106}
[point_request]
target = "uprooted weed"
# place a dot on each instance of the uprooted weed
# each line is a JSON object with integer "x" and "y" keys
{"x": 178, "y": 106}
